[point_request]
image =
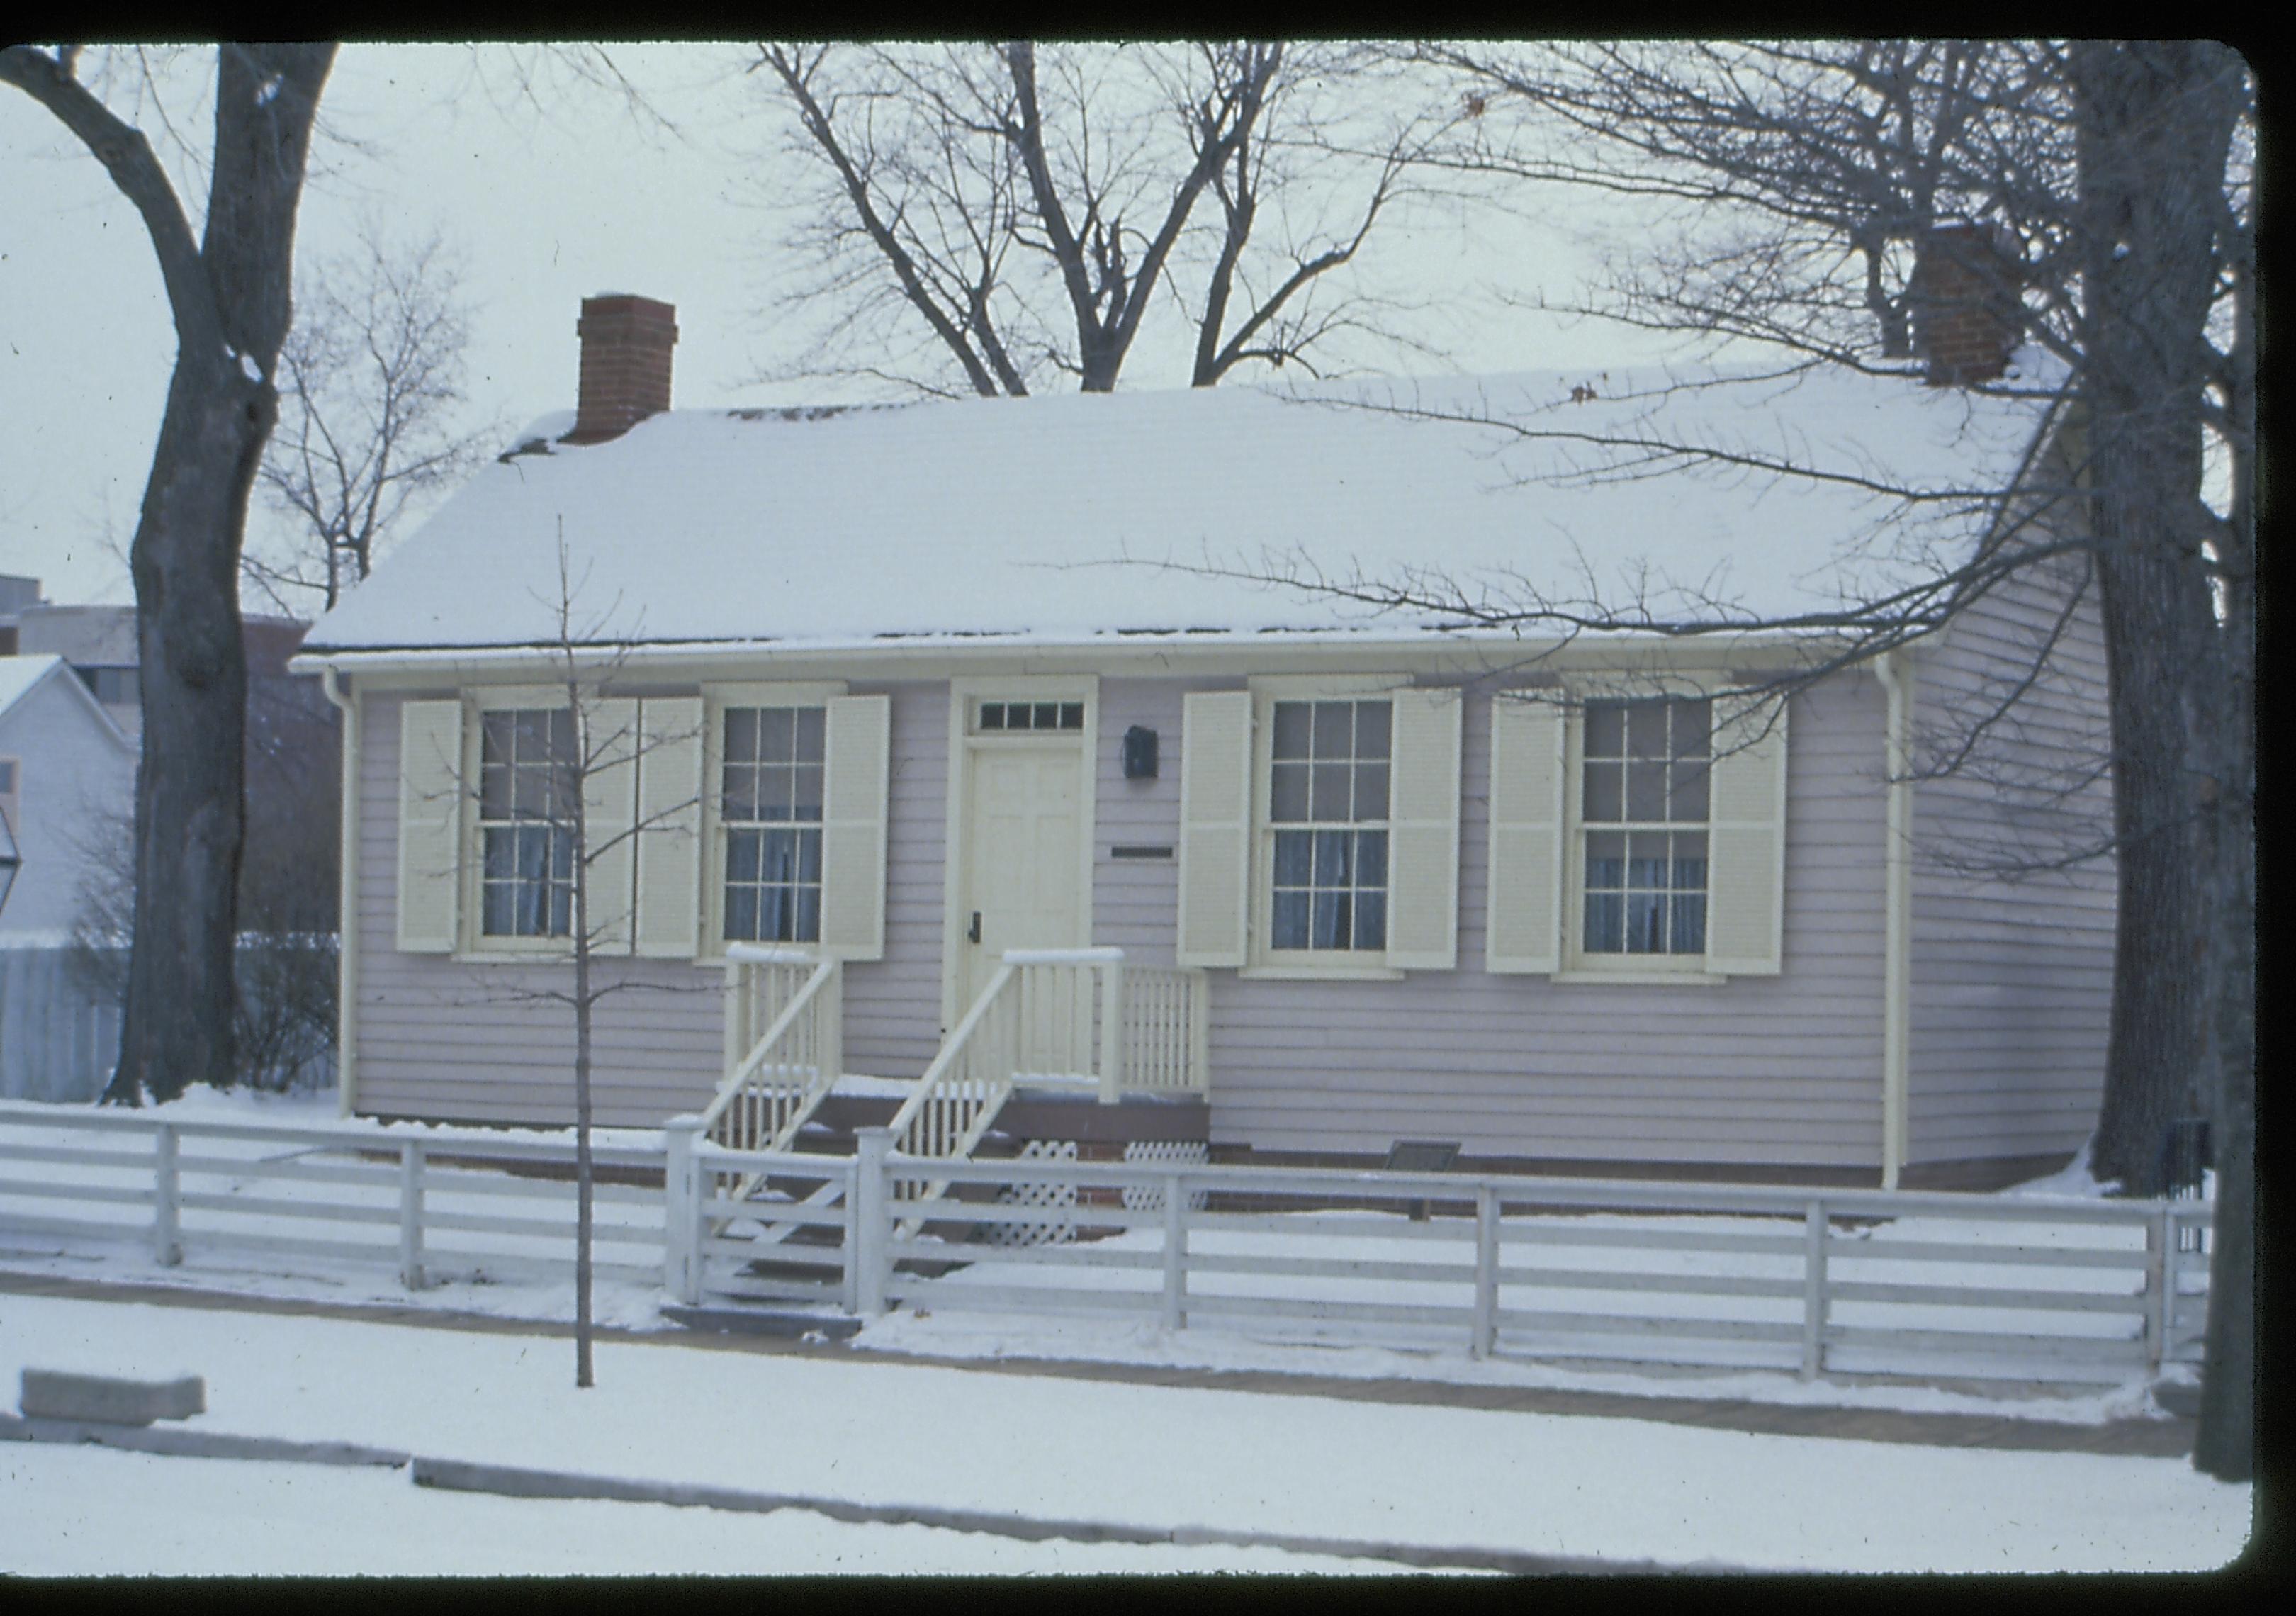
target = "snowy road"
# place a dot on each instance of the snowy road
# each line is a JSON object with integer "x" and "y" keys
{"x": 1038, "y": 1446}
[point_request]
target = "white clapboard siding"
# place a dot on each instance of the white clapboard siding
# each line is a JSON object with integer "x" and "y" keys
{"x": 609, "y": 802}
{"x": 429, "y": 825}
{"x": 669, "y": 817}
{"x": 1215, "y": 826}
{"x": 1746, "y": 842}
{"x": 1524, "y": 925}
{"x": 1422, "y": 832}
{"x": 857, "y": 769}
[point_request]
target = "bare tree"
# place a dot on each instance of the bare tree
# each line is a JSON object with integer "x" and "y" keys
{"x": 228, "y": 293}
{"x": 371, "y": 377}
{"x": 1029, "y": 207}
{"x": 2119, "y": 176}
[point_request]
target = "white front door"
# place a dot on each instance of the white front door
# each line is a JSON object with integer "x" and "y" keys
{"x": 1023, "y": 851}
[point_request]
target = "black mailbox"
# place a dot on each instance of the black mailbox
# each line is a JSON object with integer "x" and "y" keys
{"x": 1139, "y": 753}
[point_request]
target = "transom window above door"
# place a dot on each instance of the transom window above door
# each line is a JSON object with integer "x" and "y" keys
{"x": 1327, "y": 814}
{"x": 769, "y": 815}
{"x": 1009, "y": 718}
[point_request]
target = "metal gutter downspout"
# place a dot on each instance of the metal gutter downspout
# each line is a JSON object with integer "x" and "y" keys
{"x": 1894, "y": 670}
{"x": 345, "y": 899}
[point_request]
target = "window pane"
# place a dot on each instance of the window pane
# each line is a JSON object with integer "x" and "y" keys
{"x": 1689, "y": 923}
{"x": 1646, "y": 791}
{"x": 1293, "y": 849}
{"x": 992, "y": 715}
{"x": 809, "y": 857}
{"x": 1604, "y": 793}
{"x": 777, "y": 856}
{"x": 1692, "y": 722}
{"x": 1071, "y": 715}
{"x": 1606, "y": 859}
{"x": 561, "y": 912}
{"x": 494, "y": 792}
{"x": 1291, "y": 729}
{"x": 1646, "y": 729}
{"x": 494, "y": 738}
{"x": 562, "y": 856}
{"x": 1287, "y": 792}
{"x": 1048, "y": 715}
{"x": 1371, "y": 859}
{"x": 1606, "y": 924}
{"x": 1645, "y": 922}
{"x": 530, "y": 792}
{"x": 495, "y": 910}
{"x": 1687, "y": 801}
{"x": 1646, "y": 859}
{"x": 812, "y": 733}
{"x": 1372, "y": 725}
{"x": 1690, "y": 853}
{"x": 1332, "y": 859}
{"x": 1605, "y": 729}
{"x": 1371, "y": 791}
{"x": 806, "y": 927}
{"x": 774, "y": 734}
{"x": 776, "y": 783}
{"x": 500, "y": 855}
{"x": 1335, "y": 725}
{"x": 807, "y": 792}
{"x": 559, "y": 745}
{"x": 1370, "y": 920}
{"x": 740, "y": 792}
{"x": 1331, "y": 927}
{"x": 741, "y": 734}
{"x": 1333, "y": 795}
{"x": 741, "y": 914}
{"x": 1289, "y": 920}
{"x": 741, "y": 857}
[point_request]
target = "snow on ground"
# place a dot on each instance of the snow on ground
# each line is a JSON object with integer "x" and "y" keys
{"x": 1043, "y": 1446}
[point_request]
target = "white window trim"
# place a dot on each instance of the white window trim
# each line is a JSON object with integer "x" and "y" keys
{"x": 1261, "y": 962}
{"x": 1577, "y": 965}
{"x": 716, "y": 699}
{"x": 962, "y": 743}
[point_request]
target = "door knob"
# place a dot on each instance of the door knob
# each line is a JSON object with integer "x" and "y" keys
{"x": 974, "y": 934}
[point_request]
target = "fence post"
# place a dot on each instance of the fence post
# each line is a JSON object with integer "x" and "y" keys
{"x": 1487, "y": 1272}
{"x": 681, "y": 1210}
{"x": 2160, "y": 1280}
{"x": 410, "y": 1214}
{"x": 167, "y": 1207}
{"x": 1175, "y": 1253}
{"x": 1112, "y": 1030}
{"x": 1813, "y": 1303}
{"x": 871, "y": 1217}
{"x": 849, "y": 1293}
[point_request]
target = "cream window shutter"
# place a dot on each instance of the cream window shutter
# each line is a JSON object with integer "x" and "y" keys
{"x": 1746, "y": 907}
{"x": 859, "y": 774}
{"x": 1422, "y": 832}
{"x": 1523, "y": 909}
{"x": 430, "y": 792}
{"x": 1215, "y": 826}
{"x": 609, "y": 797}
{"x": 670, "y": 820}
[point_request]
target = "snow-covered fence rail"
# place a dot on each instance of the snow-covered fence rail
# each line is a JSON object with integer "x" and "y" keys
{"x": 432, "y": 1207}
{"x": 2047, "y": 1288}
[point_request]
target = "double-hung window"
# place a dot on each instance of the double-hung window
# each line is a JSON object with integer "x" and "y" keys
{"x": 1644, "y": 788}
{"x": 770, "y": 817}
{"x": 1328, "y": 818}
{"x": 526, "y": 830}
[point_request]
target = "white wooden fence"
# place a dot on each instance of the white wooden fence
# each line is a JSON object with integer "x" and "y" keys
{"x": 2065, "y": 1290}
{"x": 432, "y": 1207}
{"x": 1852, "y": 1281}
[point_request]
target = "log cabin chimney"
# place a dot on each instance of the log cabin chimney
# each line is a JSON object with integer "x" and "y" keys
{"x": 626, "y": 343}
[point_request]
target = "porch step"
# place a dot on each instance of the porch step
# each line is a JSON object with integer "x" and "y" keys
{"x": 789, "y": 1324}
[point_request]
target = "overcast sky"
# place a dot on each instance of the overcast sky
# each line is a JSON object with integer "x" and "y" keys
{"x": 544, "y": 205}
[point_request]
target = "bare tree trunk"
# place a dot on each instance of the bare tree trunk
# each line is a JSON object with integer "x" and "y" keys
{"x": 583, "y": 1200}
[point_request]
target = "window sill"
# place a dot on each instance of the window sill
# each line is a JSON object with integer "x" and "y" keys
{"x": 1642, "y": 978}
{"x": 1288, "y": 972}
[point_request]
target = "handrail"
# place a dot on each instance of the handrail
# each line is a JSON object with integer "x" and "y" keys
{"x": 800, "y": 1001}
{"x": 796, "y": 1047}
{"x": 942, "y": 1121}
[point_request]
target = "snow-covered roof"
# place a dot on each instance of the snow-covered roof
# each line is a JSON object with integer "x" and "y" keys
{"x": 22, "y": 674}
{"x": 1064, "y": 518}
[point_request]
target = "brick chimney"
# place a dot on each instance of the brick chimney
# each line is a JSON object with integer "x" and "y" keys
{"x": 1967, "y": 317}
{"x": 626, "y": 343}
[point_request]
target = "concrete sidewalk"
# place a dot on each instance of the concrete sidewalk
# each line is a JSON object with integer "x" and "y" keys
{"x": 2163, "y": 1438}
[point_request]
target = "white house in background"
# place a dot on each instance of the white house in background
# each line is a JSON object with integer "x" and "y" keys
{"x": 926, "y": 684}
{"x": 64, "y": 764}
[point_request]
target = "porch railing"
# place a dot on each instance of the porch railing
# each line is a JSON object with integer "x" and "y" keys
{"x": 785, "y": 1048}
